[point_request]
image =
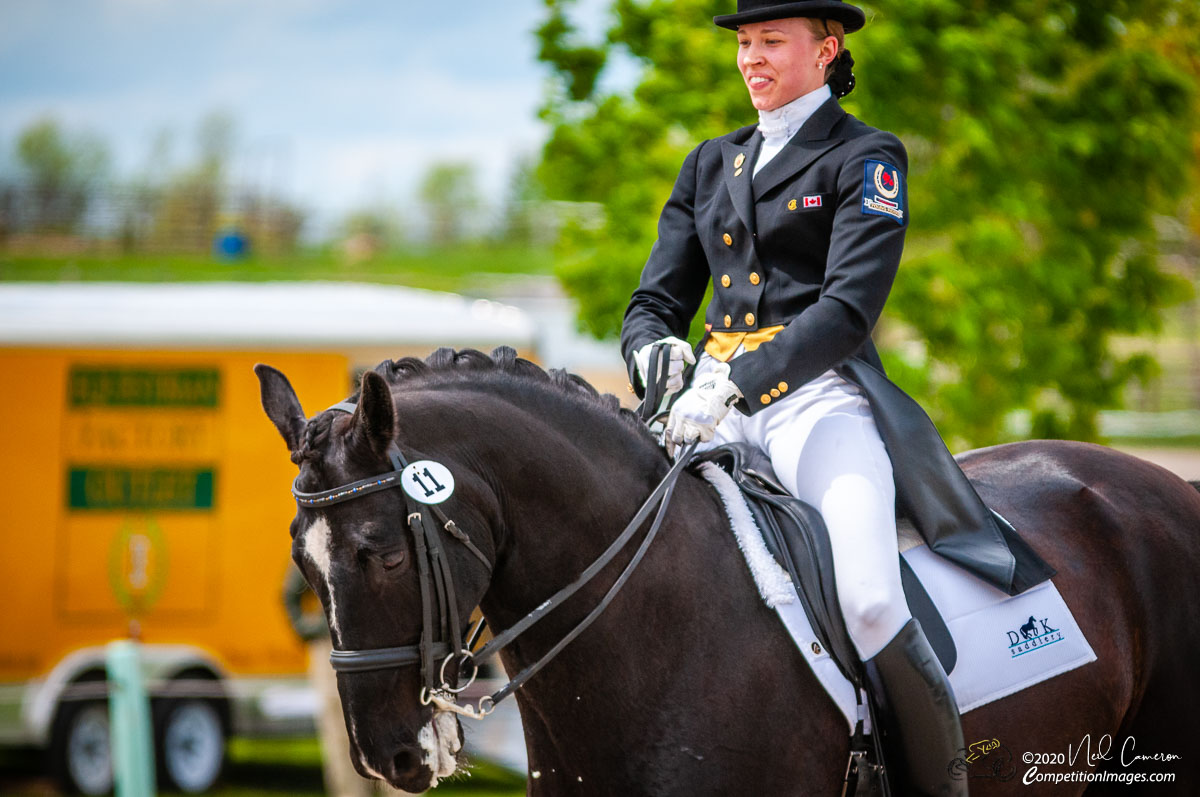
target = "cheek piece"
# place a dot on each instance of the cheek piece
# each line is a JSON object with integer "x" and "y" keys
{"x": 426, "y": 522}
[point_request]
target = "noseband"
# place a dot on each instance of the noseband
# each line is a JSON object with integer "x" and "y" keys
{"x": 448, "y": 642}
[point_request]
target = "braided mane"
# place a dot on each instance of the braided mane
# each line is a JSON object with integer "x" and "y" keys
{"x": 449, "y": 366}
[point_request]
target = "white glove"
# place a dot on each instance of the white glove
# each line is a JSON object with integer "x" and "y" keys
{"x": 680, "y": 353}
{"x": 698, "y": 411}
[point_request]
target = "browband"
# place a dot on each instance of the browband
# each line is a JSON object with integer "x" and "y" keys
{"x": 347, "y": 491}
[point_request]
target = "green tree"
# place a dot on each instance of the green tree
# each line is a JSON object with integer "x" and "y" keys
{"x": 189, "y": 211}
{"x": 1044, "y": 137}
{"x": 61, "y": 171}
{"x": 522, "y": 221}
{"x": 371, "y": 229}
{"x": 450, "y": 194}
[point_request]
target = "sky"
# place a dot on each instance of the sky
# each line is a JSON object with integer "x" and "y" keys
{"x": 336, "y": 104}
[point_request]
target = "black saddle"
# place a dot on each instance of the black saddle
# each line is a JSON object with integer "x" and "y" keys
{"x": 795, "y": 534}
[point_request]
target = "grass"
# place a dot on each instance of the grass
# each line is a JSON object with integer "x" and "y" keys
{"x": 305, "y": 752}
{"x": 265, "y": 768}
{"x": 293, "y": 766}
{"x": 448, "y": 269}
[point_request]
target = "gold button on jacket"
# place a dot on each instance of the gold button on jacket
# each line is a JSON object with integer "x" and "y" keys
{"x": 839, "y": 255}
{"x": 725, "y": 281}
{"x": 779, "y": 263}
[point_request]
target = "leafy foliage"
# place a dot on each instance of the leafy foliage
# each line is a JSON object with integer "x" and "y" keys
{"x": 450, "y": 196}
{"x": 65, "y": 198}
{"x": 60, "y": 168}
{"x": 1044, "y": 139}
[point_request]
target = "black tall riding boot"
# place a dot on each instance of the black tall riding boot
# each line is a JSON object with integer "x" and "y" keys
{"x": 918, "y": 713}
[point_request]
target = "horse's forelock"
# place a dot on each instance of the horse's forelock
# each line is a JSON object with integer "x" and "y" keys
{"x": 316, "y": 439}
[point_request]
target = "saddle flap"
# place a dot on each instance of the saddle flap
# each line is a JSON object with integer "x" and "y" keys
{"x": 795, "y": 535}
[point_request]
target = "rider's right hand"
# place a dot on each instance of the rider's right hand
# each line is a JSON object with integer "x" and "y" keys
{"x": 680, "y": 353}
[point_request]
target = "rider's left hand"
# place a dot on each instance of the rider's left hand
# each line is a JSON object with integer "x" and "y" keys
{"x": 698, "y": 411}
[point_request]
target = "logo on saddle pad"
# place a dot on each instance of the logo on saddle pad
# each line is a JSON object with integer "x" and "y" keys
{"x": 1034, "y": 635}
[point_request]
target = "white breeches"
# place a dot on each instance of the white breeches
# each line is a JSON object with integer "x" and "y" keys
{"x": 826, "y": 451}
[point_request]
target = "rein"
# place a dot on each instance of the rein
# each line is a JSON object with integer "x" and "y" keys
{"x": 437, "y": 583}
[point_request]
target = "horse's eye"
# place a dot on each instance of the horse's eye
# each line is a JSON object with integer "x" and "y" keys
{"x": 391, "y": 560}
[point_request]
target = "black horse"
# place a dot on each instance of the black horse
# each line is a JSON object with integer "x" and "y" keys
{"x": 687, "y": 683}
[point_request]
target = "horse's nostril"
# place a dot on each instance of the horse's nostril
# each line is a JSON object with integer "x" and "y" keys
{"x": 406, "y": 762}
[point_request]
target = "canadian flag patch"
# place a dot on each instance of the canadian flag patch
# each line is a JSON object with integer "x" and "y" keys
{"x": 812, "y": 201}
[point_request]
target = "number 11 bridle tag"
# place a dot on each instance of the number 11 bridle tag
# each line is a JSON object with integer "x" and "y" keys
{"x": 427, "y": 481}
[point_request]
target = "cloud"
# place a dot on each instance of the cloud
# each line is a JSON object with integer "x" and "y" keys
{"x": 342, "y": 96}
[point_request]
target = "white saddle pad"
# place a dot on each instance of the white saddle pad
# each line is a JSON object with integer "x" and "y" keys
{"x": 1005, "y": 643}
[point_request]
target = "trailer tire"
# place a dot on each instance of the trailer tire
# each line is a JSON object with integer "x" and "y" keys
{"x": 189, "y": 739}
{"x": 80, "y": 746}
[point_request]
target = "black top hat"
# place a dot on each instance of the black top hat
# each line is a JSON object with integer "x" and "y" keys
{"x": 851, "y": 17}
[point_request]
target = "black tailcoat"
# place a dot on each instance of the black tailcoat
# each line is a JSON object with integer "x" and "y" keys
{"x": 812, "y": 243}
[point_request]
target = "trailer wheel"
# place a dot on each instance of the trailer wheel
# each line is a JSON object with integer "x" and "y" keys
{"x": 80, "y": 750}
{"x": 189, "y": 736}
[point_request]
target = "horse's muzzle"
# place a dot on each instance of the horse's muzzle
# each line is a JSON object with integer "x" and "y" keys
{"x": 436, "y": 754}
{"x": 409, "y": 772}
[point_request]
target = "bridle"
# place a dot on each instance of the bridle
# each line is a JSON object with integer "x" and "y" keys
{"x": 447, "y": 642}
{"x": 434, "y": 573}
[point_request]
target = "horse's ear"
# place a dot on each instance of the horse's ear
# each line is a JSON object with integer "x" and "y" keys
{"x": 281, "y": 405}
{"x": 375, "y": 417}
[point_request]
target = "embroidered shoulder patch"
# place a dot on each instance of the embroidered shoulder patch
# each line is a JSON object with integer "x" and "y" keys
{"x": 883, "y": 191}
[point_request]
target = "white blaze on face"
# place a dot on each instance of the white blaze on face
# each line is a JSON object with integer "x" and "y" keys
{"x": 439, "y": 740}
{"x": 316, "y": 548}
{"x": 362, "y": 759}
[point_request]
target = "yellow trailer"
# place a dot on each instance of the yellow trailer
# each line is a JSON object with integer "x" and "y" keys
{"x": 144, "y": 493}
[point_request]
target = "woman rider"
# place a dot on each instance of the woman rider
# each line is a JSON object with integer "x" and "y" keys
{"x": 799, "y": 223}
